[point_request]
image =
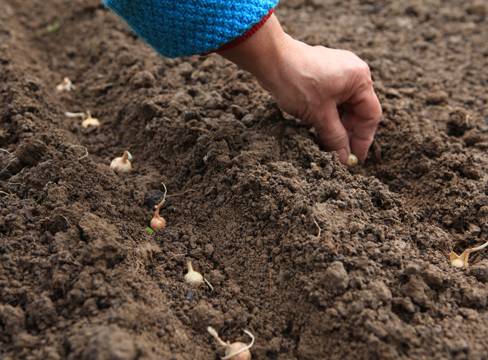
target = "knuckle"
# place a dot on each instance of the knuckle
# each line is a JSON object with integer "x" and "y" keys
{"x": 334, "y": 141}
{"x": 363, "y": 77}
{"x": 378, "y": 114}
{"x": 364, "y": 70}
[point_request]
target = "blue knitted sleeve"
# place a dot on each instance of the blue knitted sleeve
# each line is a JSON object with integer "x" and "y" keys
{"x": 188, "y": 27}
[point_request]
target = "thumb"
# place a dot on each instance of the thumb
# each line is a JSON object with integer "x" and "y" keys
{"x": 331, "y": 132}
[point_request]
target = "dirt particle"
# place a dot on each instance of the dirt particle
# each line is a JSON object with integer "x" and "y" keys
{"x": 479, "y": 9}
{"x": 24, "y": 340}
{"x": 404, "y": 305}
{"x": 142, "y": 79}
{"x": 40, "y": 312}
{"x": 475, "y": 297}
{"x": 436, "y": 97}
{"x": 248, "y": 120}
{"x": 31, "y": 153}
{"x": 458, "y": 123}
{"x": 380, "y": 291}
{"x": 203, "y": 315}
{"x": 109, "y": 343}
{"x": 209, "y": 249}
{"x": 152, "y": 198}
{"x": 480, "y": 271}
{"x": 434, "y": 277}
{"x": 417, "y": 290}
{"x": 335, "y": 279}
{"x": 104, "y": 242}
{"x": 12, "y": 319}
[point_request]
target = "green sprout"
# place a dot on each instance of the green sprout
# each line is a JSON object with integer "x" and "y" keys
{"x": 53, "y": 27}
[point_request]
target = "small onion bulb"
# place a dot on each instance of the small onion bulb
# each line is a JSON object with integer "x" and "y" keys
{"x": 352, "y": 160}
{"x": 158, "y": 222}
{"x": 192, "y": 277}
{"x": 459, "y": 263}
{"x": 90, "y": 121}
{"x": 122, "y": 164}
{"x": 65, "y": 85}
{"x": 236, "y": 350}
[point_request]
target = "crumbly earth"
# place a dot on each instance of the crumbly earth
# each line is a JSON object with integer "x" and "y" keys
{"x": 80, "y": 278}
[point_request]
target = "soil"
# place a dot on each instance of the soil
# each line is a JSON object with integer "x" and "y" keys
{"x": 80, "y": 278}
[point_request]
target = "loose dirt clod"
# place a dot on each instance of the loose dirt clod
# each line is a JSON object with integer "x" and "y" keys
{"x": 236, "y": 350}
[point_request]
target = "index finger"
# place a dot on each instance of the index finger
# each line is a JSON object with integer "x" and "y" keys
{"x": 363, "y": 116}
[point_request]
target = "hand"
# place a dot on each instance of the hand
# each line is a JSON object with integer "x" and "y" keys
{"x": 330, "y": 90}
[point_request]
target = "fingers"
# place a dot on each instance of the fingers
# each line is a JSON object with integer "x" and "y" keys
{"x": 362, "y": 119}
{"x": 332, "y": 133}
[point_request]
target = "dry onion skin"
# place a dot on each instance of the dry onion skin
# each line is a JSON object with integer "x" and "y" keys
{"x": 236, "y": 350}
{"x": 158, "y": 222}
{"x": 462, "y": 260}
{"x": 122, "y": 164}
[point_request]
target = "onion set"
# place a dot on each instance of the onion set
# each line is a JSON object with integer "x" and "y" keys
{"x": 461, "y": 261}
{"x": 122, "y": 164}
{"x": 236, "y": 350}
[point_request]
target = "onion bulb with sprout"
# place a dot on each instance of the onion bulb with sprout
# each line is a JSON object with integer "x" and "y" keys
{"x": 461, "y": 261}
{"x": 122, "y": 164}
{"x": 352, "y": 160}
{"x": 90, "y": 121}
{"x": 192, "y": 277}
{"x": 65, "y": 85}
{"x": 236, "y": 350}
{"x": 158, "y": 222}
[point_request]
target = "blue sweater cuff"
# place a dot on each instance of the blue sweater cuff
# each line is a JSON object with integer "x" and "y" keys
{"x": 187, "y": 27}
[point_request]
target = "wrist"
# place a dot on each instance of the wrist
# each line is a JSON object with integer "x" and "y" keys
{"x": 263, "y": 53}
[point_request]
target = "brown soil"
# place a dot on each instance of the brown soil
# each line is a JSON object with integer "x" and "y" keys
{"x": 81, "y": 279}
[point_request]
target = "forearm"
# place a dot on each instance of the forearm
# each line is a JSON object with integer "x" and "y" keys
{"x": 189, "y": 27}
{"x": 261, "y": 53}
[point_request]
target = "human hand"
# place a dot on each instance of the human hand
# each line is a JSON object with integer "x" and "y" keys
{"x": 328, "y": 89}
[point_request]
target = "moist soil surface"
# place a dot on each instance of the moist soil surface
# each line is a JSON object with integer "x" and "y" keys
{"x": 316, "y": 260}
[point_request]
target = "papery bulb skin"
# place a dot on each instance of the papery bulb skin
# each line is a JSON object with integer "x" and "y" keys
{"x": 158, "y": 223}
{"x": 235, "y": 347}
{"x": 122, "y": 164}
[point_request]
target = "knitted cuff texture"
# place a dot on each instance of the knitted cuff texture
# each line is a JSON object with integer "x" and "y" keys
{"x": 188, "y": 27}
